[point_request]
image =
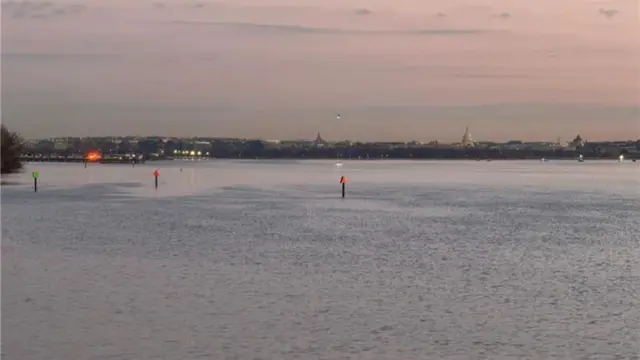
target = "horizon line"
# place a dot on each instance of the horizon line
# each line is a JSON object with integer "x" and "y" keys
{"x": 303, "y": 139}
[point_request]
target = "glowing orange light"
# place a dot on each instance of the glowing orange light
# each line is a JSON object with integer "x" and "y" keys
{"x": 93, "y": 156}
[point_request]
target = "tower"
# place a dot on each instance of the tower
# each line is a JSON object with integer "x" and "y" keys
{"x": 466, "y": 138}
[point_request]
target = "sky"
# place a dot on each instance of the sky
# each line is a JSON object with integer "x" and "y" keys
{"x": 282, "y": 69}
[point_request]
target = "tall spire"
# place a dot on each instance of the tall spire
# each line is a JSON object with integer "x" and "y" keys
{"x": 466, "y": 138}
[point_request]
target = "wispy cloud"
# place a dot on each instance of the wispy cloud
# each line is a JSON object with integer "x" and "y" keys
{"x": 40, "y": 9}
{"x": 261, "y": 28}
{"x": 492, "y": 76}
{"x": 363, "y": 12}
{"x": 52, "y": 56}
{"x": 504, "y": 15}
{"x": 609, "y": 13}
{"x": 197, "y": 5}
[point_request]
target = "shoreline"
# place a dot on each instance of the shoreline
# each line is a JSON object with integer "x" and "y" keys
{"x": 531, "y": 159}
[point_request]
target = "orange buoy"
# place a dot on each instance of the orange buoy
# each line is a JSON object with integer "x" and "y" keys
{"x": 156, "y": 173}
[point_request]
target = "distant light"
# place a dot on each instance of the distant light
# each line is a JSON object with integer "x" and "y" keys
{"x": 175, "y": 151}
{"x": 192, "y": 153}
{"x": 199, "y": 153}
{"x": 93, "y": 156}
{"x": 621, "y": 158}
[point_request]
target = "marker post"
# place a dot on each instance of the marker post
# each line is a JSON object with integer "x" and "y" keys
{"x": 156, "y": 174}
{"x": 35, "y": 180}
{"x": 343, "y": 181}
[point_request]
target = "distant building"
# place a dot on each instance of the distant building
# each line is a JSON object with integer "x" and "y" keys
{"x": 541, "y": 145}
{"x": 61, "y": 144}
{"x": 466, "y": 139}
{"x": 202, "y": 146}
{"x": 392, "y": 144}
{"x": 319, "y": 141}
{"x": 577, "y": 143}
{"x": 31, "y": 144}
{"x": 513, "y": 145}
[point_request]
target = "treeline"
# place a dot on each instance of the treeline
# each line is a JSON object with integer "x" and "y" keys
{"x": 11, "y": 146}
{"x": 372, "y": 152}
{"x": 242, "y": 151}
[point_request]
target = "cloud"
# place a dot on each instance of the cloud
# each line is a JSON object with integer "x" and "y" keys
{"x": 609, "y": 13}
{"x": 483, "y": 8}
{"x": 492, "y": 76}
{"x": 363, "y": 12}
{"x": 444, "y": 32}
{"x": 19, "y": 56}
{"x": 504, "y": 15}
{"x": 39, "y": 9}
{"x": 441, "y": 15}
{"x": 260, "y": 28}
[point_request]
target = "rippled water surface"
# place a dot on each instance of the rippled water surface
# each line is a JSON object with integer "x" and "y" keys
{"x": 264, "y": 260}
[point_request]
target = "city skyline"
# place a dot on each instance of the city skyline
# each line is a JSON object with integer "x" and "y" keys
{"x": 467, "y": 137}
{"x": 395, "y": 70}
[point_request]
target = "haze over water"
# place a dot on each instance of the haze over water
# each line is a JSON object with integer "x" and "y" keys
{"x": 263, "y": 260}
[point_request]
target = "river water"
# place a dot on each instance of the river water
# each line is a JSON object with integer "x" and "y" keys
{"x": 264, "y": 260}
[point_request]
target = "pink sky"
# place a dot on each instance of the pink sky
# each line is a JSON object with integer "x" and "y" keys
{"x": 278, "y": 69}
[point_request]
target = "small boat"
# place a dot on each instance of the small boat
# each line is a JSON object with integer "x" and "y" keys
{"x": 580, "y": 158}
